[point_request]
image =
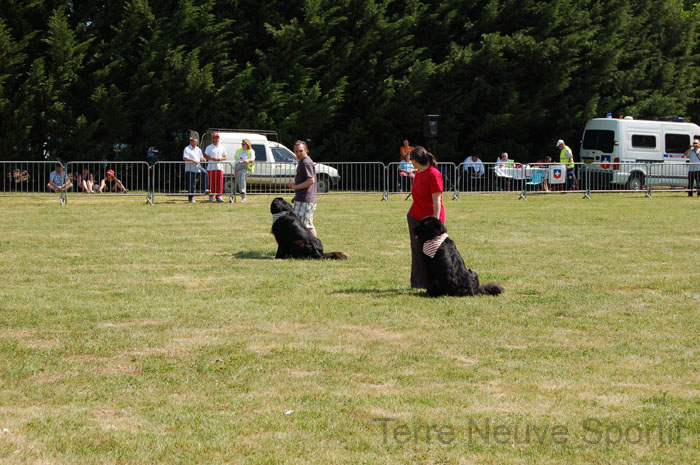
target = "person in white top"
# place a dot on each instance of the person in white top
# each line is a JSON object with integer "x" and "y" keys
{"x": 194, "y": 157}
{"x": 693, "y": 154}
{"x": 502, "y": 160}
{"x": 215, "y": 154}
{"x": 474, "y": 171}
{"x": 245, "y": 163}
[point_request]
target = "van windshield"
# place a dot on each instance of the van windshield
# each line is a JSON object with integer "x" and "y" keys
{"x": 282, "y": 155}
{"x": 598, "y": 139}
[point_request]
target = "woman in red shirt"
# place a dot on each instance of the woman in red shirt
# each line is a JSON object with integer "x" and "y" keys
{"x": 427, "y": 201}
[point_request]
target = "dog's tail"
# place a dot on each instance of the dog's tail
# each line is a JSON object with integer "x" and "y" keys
{"x": 334, "y": 256}
{"x": 490, "y": 289}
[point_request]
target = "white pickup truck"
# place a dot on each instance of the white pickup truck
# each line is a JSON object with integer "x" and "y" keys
{"x": 275, "y": 164}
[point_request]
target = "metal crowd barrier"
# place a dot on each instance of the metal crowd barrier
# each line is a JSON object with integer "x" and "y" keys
{"x": 130, "y": 178}
{"x": 491, "y": 178}
{"x": 84, "y": 178}
{"x": 635, "y": 177}
{"x": 29, "y": 178}
{"x": 399, "y": 181}
{"x": 169, "y": 179}
{"x": 351, "y": 177}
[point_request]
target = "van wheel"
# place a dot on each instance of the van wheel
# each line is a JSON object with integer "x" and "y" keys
{"x": 323, "y": 183}
{"x": 229, "y": 185}
{"x": 635, "y": 182}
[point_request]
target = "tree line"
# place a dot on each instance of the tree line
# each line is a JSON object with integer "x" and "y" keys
{"x": 92, "y": 80}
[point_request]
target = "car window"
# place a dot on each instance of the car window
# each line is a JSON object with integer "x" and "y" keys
{"x": 597, "y": 139}
{"x": 259, "y": 152}
{"x": 677, "y": 143}
{"x": 282, "y": 155}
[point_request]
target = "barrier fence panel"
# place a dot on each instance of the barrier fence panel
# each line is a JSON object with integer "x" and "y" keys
{"x": 351, "y": 177}
{"x": 181, "y": 179}
{"x": 109, "y": 178}
{"x": 493, "y": 178}
{"x": 634, "y": 177}
{"x": 666, "y": 177}
{"x": 33, "y": 178}
{"x": 399, "y": 178}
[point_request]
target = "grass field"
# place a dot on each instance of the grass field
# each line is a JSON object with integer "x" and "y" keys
{"x": 169, "y": 334}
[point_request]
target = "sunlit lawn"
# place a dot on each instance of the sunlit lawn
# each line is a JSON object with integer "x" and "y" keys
{"x": 167, "y": 334}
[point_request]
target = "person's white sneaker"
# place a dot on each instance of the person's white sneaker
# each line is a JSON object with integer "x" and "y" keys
{"x": 193, "y": 201}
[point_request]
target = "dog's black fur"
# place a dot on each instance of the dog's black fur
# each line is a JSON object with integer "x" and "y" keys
{"x": 450, "y": 276}
{"x": 293, "y": 239}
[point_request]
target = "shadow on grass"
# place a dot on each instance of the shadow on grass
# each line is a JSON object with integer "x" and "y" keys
{"x": 254, "y": 255}
{"x": 383, "y": 292}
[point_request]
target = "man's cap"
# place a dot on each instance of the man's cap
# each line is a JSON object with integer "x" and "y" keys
{"x": 216, "y": 134}
{"x": 111, "y": 172}
{"x": 559, "y": 142}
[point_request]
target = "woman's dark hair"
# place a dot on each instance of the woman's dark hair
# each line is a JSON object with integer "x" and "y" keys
{"x": 423, "y": 157}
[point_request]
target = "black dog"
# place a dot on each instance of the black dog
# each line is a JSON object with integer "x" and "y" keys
{"x": 293, "y": 239}
{"x": 450, "y": 276}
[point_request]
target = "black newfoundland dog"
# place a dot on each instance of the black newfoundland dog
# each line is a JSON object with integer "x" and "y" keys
{"x": 293, "y": 239}
{"x": 450, "y": 276}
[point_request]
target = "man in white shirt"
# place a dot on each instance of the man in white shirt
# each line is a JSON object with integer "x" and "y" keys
{"x": 693, "y": 154}
{"x": 215, "y": 154}
{"x": 474, "y": 171}
{"x": 194, "y": 157}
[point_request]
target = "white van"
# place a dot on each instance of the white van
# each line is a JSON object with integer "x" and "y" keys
{"x": 275, "y": 164}
{"x": 637, "y": 153}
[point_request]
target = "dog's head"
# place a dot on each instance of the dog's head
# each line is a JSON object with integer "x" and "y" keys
{"x": 428, "y": 228}
{"x": 280, "y": 205}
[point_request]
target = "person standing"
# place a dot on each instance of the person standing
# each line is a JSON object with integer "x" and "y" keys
{"x": 304, "y": 186}
{"x": 215, "y": 153}
{"x": 405, "y": 150}
{"x": 566, "y": 157}
{"x": 193, "y": 156}
{"x": 427, "y": 201}
{"x": 693, "y": 153}
{"x": 245, "y": 163}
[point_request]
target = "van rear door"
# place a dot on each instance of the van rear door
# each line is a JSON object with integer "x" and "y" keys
{"x": 598, "y": 146}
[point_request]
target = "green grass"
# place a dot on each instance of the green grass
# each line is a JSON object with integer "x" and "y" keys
{"x": 168, "y": 334}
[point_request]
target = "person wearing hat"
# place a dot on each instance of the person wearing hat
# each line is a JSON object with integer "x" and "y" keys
{"x": 215, "y": 153}
{"x": 566, "y": 157}
{"x": 110, "y": 183}
{"x": 193, "y": 156}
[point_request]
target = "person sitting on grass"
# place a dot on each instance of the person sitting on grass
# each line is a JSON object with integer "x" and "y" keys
{"x": 110, "y": 183}
{"x": 86, "y": 180}
{"x": 58, "y": 181}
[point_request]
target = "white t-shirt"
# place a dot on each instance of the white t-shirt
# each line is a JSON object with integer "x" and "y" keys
{"x": 193, "y": 153}
{"x": 694, "y": 157}
{"x": 216, "y": 152}
{"x": 477, "y": 166}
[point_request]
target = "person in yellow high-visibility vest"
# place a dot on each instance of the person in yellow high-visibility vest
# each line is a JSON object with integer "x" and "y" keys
{"x": 566, "y": 158}
{"x": 244, "y": 164}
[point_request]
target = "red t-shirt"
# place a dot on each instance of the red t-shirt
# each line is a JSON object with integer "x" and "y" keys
{"x": 425, "y": 184}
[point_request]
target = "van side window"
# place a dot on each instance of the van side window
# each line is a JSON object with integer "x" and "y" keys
{"x": 647, "y": 142}
{"x": 260, "y": 154}
{"x": 677, "y": 143}
{"x": 596, "y": 139}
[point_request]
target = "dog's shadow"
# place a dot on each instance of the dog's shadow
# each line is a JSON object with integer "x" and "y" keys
{"x": 392, "y": 292}
{"x": 254, "y": 255}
